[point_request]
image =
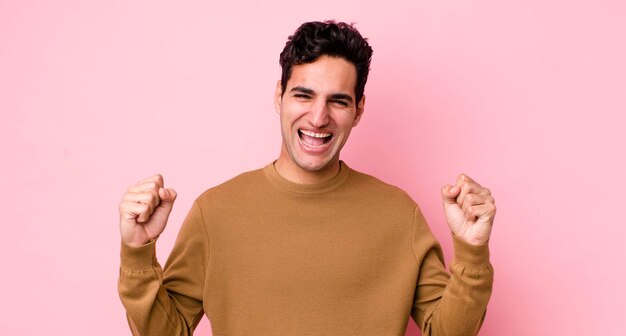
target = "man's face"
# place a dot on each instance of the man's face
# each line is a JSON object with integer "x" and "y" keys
{"x": 317, "y": 112}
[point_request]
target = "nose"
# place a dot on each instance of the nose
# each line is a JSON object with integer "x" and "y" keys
{"x": 320, "y": 115}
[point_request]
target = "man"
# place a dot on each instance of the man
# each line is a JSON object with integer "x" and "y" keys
{"x": 306, "y": 245}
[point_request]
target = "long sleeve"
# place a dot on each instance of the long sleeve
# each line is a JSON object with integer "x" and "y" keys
{"x": 166, "y": 302}
{"x": 450, "y": 304}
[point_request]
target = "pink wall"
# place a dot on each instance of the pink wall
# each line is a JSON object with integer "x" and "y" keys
{"x": 526, "y": 96}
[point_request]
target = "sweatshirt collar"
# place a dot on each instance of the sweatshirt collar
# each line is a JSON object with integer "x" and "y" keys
{"x": 306, "y": 189}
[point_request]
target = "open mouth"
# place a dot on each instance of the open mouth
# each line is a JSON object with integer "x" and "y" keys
{"x": 314, "y": 139}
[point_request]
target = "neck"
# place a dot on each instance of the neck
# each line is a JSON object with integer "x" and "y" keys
{"x": 290, "y": 171}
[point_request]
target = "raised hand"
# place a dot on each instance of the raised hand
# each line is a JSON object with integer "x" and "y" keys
{"x": 144, "y": 210}
{"x": 469, "y": 210}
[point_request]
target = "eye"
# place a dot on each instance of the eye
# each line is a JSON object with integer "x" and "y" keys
{"x": 340, "y": 102}
{"x": 302, "y": 96}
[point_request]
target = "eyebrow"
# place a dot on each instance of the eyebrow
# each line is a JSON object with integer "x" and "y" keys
{"x": 302, "y": 89}
{"x": 342, "y": 96}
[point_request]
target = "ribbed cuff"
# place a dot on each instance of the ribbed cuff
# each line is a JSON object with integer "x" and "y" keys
{"x": 465, "y": 253}
{"x": 138, "y": 258}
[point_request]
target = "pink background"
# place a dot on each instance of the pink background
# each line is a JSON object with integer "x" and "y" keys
{"x": 527, "y": 96}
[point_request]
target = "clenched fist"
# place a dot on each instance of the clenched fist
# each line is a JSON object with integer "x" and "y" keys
{"x": 469, "y": 210}
{"x": 144, "y": 210}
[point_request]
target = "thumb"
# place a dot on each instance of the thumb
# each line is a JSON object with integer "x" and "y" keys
{"x": 168, "y": 196}
{"x": 449, "y": 194}
{"x": 162, "y": 211}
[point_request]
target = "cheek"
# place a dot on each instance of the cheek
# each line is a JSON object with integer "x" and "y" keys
{"x": 345, "y": 120}
{"x": 290, "y": 114}
{"x": 287, "y": 120}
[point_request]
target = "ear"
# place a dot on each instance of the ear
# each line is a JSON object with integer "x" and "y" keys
{"x": 278, "y": 97}
{"x": 360, "y": 107}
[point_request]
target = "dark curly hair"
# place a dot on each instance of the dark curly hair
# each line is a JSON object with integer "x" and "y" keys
{"x": 314, "y": 39}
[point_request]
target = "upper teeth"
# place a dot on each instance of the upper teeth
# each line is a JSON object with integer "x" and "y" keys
{"x": 315, "y": 135}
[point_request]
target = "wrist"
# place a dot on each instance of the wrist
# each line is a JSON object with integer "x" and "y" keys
{"x": 137, "y": 244}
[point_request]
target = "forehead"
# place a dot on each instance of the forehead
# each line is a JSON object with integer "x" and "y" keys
{"x": 326, "y": 75}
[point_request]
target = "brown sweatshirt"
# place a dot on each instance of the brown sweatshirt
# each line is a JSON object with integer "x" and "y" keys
{"x": 263, "y": 256}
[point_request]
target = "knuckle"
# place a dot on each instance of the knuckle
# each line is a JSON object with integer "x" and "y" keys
{"x": 144, "y": 199}
{"x": 465, "y": 178}
{"x": 126, "y": 206}
{"x": 154, "y": 197}
{"x": 149, "y": 195}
